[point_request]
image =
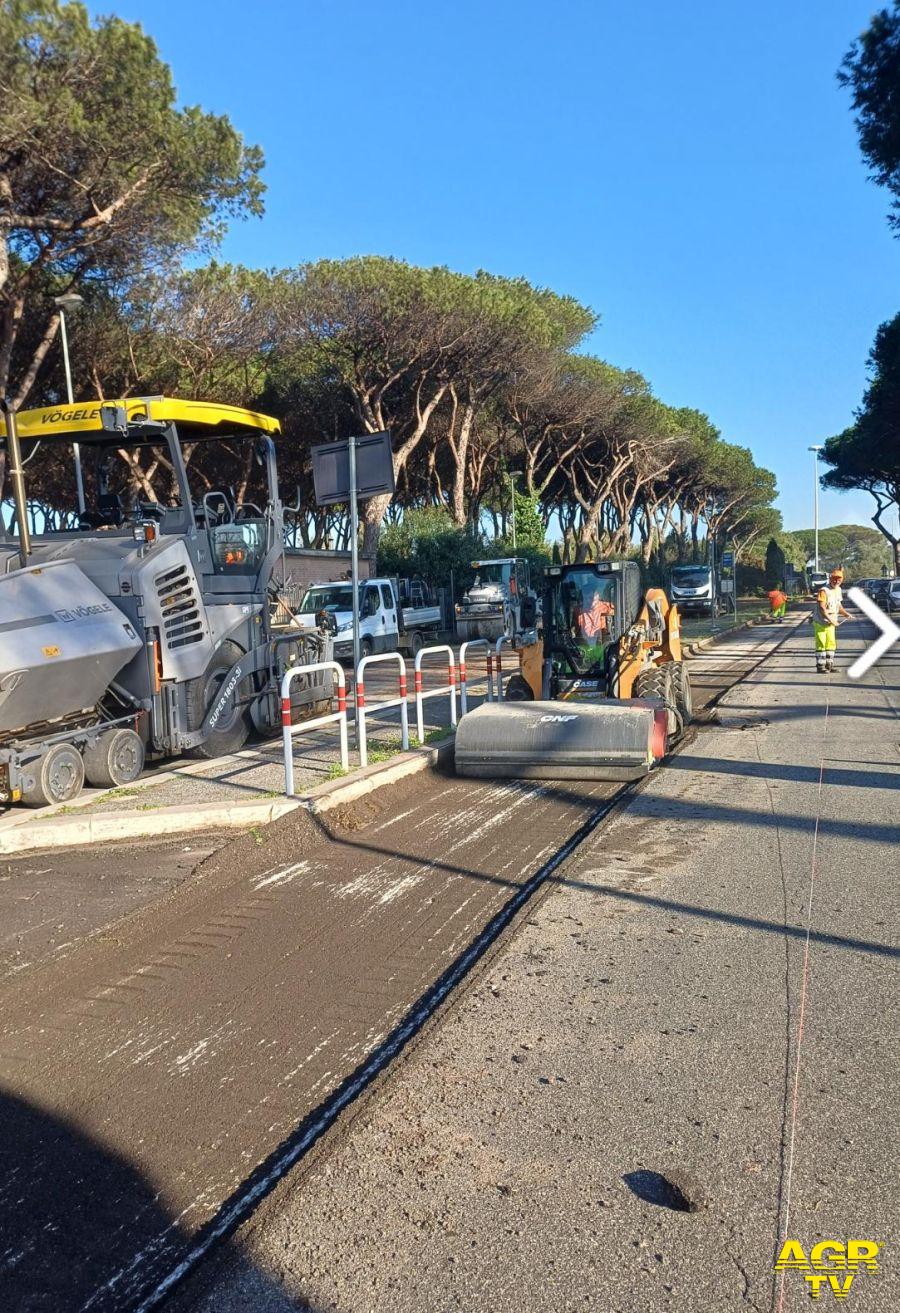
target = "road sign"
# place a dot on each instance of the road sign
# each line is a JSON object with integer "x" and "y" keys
{"x": 728, "y": 560}
{"x": 374, "y": 468}
{"x": 890, "y": 633}
{"x": 726, "y": 585}
{"x": 347, "y": 471}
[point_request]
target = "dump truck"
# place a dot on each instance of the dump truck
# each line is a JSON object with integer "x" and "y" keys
{"x": 137, "y": 613}
{"x": 601, "y": 694}
{"x": 500, "y": 602}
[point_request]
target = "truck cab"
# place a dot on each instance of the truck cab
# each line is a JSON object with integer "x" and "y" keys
{"x": 693, "y": 589}
{"x": 395, "y": 615}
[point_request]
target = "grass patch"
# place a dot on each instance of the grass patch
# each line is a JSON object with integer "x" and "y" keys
{"x": 384, "y": 751}
{"x": 335, "y": 771}
{"x": 435, "y": 735}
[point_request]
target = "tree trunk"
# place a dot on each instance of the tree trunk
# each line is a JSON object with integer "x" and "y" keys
{"x": 460, "y": 456}
{"x": 372, "y": 517}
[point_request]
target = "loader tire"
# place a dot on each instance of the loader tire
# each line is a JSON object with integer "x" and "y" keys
{"x": 681, "y": 691}
{"x": 656, "y": 682}
{"x": 233, "y": 726}
{"x": 114, "y": 759}
{"x": 517, "y": 689}
{"x": 55, "y": 777}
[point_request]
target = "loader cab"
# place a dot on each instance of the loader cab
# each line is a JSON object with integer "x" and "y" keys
{"x": 587, "y": 609}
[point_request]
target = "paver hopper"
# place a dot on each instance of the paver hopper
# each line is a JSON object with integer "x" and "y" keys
{"x": 62, "y": 643}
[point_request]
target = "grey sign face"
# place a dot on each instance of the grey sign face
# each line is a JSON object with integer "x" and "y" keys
{"x": 374, "y": 469}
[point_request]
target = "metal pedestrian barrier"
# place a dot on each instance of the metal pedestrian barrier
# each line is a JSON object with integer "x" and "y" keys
{"x": 362, "y": 710}
{"x": 434, "y": 692}
{"x": 498, "y": 663}
{"x": 288, "y": 731}
{"x": 463, "y": 683}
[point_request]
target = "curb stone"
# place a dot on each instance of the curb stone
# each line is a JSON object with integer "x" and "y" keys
{"x": 106, "y": 827}
{"x": 693, "y": 649}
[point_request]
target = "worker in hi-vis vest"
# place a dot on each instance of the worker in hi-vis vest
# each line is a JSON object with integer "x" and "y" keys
{"x": 826, "y": 617}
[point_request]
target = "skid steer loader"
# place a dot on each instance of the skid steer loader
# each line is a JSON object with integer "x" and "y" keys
{"x": 600, "y": 695}
{"x": 139, "y": 608}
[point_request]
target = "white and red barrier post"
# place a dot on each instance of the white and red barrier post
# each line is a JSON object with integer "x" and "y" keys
{"x": 463, "y": 679}
{"x": 289, "y": 731}
{"x": 362, "y": 710}
{"x": 434, "y": 692}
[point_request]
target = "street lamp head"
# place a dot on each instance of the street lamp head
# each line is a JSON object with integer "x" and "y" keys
{"x": 69, "y": 303}
{"x": 816, "y": 449}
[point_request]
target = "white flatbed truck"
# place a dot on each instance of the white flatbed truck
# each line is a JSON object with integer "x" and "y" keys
{"x": 395, "y": 615}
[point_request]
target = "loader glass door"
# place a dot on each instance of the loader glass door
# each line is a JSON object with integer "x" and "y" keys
{"x": 585, "y": 617}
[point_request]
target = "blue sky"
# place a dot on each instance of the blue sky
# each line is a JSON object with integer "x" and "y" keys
{"x": 690, "y": 171}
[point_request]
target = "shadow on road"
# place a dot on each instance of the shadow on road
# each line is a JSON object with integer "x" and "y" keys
{"x": 81, "y": 1228}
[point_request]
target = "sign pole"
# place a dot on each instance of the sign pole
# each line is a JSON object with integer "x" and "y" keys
{"x": 714, "y": 583}
{"x": 354, "y": 564}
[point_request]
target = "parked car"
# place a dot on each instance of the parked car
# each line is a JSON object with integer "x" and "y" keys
{"x": 880, "y": 592}
{"x": 894, "y": 595}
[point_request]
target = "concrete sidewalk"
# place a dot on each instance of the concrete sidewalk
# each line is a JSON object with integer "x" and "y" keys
{"x": 634, "y": 1048}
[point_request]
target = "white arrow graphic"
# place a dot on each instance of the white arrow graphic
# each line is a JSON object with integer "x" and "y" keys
{"x": 889, "y": 633}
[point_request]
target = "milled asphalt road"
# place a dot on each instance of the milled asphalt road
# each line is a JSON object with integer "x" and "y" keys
{"x": 642, "y": 1028}
{"x": 152, "y": 1065}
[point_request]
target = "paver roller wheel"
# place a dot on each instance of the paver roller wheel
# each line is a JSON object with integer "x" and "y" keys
{"x": 114, "y": 759}
{"x": 55, "y": 777}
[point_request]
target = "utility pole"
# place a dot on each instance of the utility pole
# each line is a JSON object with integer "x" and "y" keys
{"x": 71, "y": 301}
{"x": 815, "y": 451}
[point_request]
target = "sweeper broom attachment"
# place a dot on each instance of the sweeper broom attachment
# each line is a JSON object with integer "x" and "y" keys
{"x": 557, "y": 741}
{"x": 599, "y": 696}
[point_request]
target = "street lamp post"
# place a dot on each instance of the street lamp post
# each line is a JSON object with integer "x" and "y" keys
{"x": 70, "y": 302}
{"x": 815, "y": 451}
